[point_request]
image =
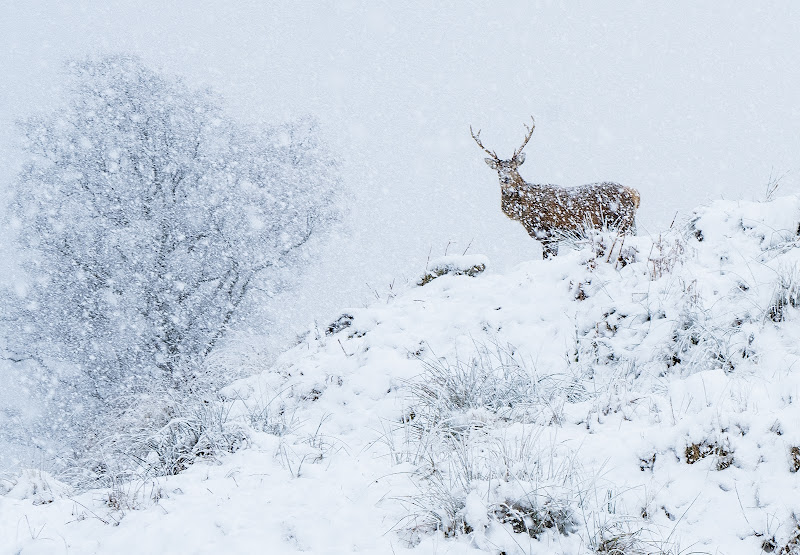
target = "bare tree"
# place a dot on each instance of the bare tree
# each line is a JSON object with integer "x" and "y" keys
{"x": 148, "y": 220}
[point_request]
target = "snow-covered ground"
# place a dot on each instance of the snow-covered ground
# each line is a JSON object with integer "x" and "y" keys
{"x": 630, "y": 396}
{"x": 684, "y": 101}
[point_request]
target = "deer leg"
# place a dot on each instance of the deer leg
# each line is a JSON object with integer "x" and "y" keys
{"x": 549, "y": 248}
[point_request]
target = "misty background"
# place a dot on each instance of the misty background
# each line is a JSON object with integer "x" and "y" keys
{"x": 685, "y": 102}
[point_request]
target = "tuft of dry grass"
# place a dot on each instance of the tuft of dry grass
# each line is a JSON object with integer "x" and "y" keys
{"x": 667, "y": 251}
{"x": 787, "y": 294}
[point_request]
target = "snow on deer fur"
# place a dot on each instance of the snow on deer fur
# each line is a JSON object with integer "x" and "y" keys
{"x": 548, "y": 212}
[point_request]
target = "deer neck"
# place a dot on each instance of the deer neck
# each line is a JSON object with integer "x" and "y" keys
{"x": 515, "y": 183}
{"x": 511, "y": 196}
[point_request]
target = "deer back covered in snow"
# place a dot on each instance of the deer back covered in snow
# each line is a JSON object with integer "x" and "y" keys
{"x": 549, "y": 212}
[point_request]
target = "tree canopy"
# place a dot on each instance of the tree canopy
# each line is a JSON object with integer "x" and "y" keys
{"x": 148, "y": 218}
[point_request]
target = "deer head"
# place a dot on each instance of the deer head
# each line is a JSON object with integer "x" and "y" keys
{"x": 506, "y": 169}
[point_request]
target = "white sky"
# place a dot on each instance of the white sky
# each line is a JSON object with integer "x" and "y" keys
{"x": 685, "y": 101}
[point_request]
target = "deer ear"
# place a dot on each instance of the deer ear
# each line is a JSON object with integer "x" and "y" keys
{"x": 491, "y": 163}
{"x": 520, "y": 158}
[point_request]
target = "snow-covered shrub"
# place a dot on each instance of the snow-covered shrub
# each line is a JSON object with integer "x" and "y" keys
{"x": 37, "y": 485}
{"x": 708, "y": 332}
{"x": 342, "y": 322}
{"x": 535, "y": 516}
{"x": 489, "y": 484}
{"x": 723, "y": 457}
{"x": 165, "y": 440}
{"x": 480, "y": 468}
{"x": 787, "y": 294}
{"x": 151, "y": 224}
{"x": 467, "y": 265}
{"x": 601, "y": 244}
{"x": 491, "y": 383}
{"x": 200, "y": 431}
{"x": 626, "y": 539}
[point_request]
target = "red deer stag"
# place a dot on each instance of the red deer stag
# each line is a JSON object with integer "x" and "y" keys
{"x": 549, "y": 212}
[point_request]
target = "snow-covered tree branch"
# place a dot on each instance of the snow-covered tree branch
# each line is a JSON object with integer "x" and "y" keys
{"x": 148, "y": 218}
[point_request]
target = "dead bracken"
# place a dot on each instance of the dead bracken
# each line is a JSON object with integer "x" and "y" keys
{"x": 696, "y": 451}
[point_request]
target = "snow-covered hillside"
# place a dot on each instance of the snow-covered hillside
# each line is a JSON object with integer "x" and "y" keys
{"x": 633, "y": 395}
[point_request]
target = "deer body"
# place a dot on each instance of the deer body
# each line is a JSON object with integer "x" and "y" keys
{"x": 549, "y": 212}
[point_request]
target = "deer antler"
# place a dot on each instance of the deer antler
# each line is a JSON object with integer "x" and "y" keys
{"x": 527, "y": 137}
{"x": 480, "y": 144}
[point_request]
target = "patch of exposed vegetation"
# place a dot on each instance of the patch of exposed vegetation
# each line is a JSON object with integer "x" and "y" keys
{"x": 696, "y": 451}
{"x": 342, "y": 322}
{"x": 794, "y": 454}
{"x": 535, "y": 520}
{"x": 450, "y": 269}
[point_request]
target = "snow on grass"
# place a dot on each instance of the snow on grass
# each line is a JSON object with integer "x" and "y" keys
{"x": 624, "y": 397}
